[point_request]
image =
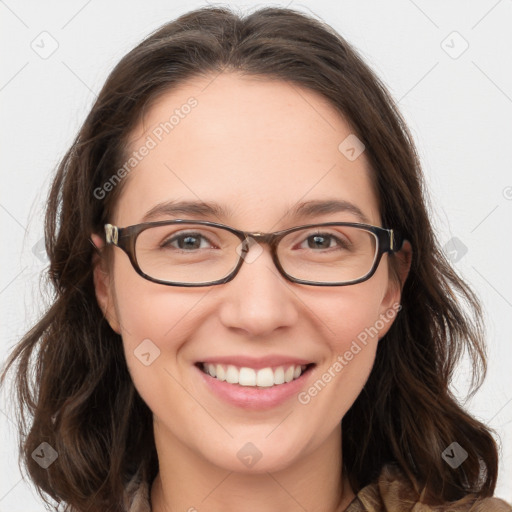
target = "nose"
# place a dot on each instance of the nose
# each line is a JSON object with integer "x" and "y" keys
{"x": 259, "y": 299}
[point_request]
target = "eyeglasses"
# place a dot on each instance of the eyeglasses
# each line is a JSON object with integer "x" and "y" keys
{"x": 202, "y": 253}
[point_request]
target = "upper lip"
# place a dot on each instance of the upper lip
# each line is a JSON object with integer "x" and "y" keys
{"x": 257, "y": 362}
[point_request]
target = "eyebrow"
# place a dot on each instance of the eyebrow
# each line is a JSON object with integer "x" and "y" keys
{"x": 210, "y": 209}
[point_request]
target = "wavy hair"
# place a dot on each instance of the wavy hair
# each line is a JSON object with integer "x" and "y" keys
{"x": 82, "y": 400}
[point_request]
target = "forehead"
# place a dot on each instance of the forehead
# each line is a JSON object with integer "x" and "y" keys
{"x": 256, "y": 145}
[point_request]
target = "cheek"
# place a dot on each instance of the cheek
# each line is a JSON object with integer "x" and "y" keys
{"x": 351, "y": 324}
{"x": 359, "y": 315}
{"x": 155, "y": 329}
{"x": 338, "y": 381}
{"x": 149, "y": 310}
{"x": 155, "y": 321}
{"x": 352, "y": 313}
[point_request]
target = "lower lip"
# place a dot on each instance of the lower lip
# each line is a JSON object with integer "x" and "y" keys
{"x": 252, "y": 397}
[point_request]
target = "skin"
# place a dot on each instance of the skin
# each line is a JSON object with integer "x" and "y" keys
{"x": 257, "y": 147}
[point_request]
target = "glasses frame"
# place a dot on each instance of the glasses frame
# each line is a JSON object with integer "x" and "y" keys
{"x": 388, "y": 241}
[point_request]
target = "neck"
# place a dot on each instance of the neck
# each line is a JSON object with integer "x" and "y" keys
{"x": 187, "y": 481}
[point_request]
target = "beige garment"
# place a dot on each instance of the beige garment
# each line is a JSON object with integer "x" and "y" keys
{"x": 393, "y": 493}
{"x": 390, "y": 493}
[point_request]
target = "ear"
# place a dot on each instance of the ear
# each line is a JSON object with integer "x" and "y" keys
{"x": 390, "y": 305}
{"x": 103, "y": 284}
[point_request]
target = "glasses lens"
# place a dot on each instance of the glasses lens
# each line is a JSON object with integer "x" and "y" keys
{"x": 187, "y": 253}
{"x": 328, "y": 254}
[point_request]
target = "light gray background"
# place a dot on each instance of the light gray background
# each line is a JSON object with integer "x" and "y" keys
{"x": 459, "y": 109}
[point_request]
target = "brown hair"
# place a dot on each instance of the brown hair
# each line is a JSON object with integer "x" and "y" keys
{"x": 82, "y": 400}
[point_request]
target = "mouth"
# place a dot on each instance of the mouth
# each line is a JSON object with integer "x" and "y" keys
{"x": 244, "y": 376}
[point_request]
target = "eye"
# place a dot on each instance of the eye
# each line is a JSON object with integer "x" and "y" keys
{"x": 186, "y": 241}
{"x": 324, "y": 241}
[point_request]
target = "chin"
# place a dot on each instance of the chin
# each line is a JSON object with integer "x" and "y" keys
{"x": 259, "y": 456}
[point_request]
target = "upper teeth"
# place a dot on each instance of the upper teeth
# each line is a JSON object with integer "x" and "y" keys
{"x": 265, "y": 377}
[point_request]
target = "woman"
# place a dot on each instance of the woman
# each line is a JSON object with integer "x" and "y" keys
{"x": 193, "y": 361}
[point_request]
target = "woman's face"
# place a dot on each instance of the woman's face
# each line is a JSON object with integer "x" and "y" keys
{"x": 257, "y": 148}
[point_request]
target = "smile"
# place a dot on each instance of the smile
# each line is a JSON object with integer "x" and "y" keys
{"x": 250, "y": 377}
